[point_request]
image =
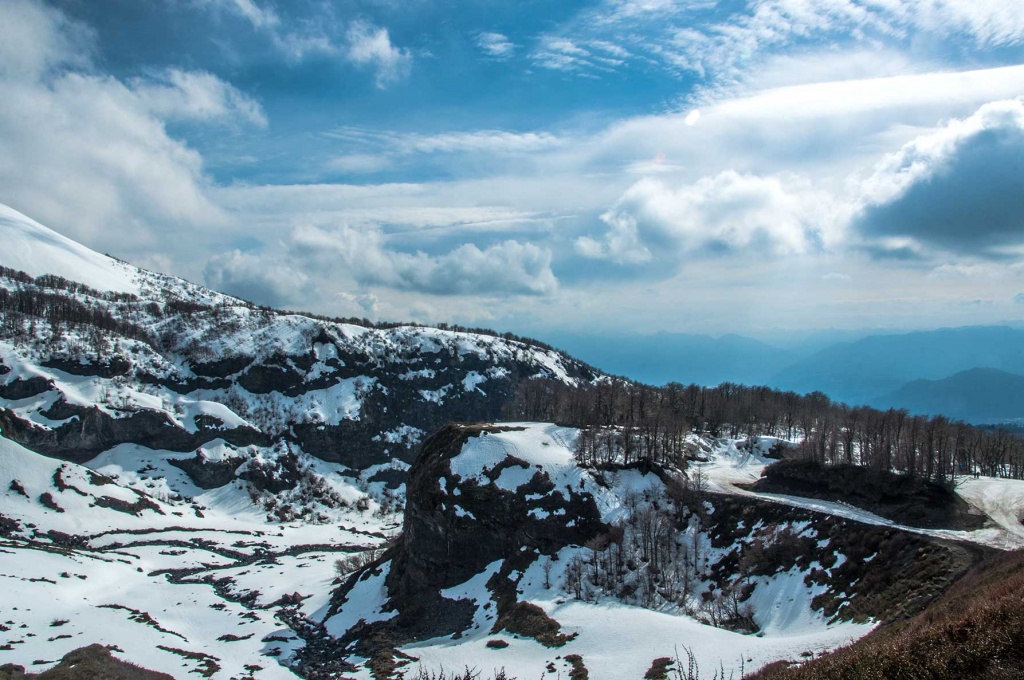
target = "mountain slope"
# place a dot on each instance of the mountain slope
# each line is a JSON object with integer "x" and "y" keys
{"x": 860, "y": 371}
{"x": 514, "y": 555}
{"x": 182, "y": 585}
{"x": 219, "y": 489}
{"x": 174, "y": 366}
{"x": 975, "y": 630}
{"x": 978, "y": 395}
{"x": 32, "y": 248}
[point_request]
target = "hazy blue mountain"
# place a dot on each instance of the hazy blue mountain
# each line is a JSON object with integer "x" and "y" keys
{"x": 684, "y": 358}
{"x": 978, "y": 395}
{"x": 805, "y": 343}
{"x": 857, "y": 372}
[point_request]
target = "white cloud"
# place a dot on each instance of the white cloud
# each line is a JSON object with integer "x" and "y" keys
{"x": 561, "y": 54}
{"x": 496, "y": 45}
{"x": 35, "y": 39}
{"x": 826, "y": 130}
{"x": 729, "y": 212}
{"x": 866, "y": 95}
{"x": 989, "y": 22}
{"x": 259, "y": 17}
{"x": 359, "y": 163}
{"x": 680, "y": 36}
{"x": 259, "y": 278}
{"x": 458, "y": 141}
{"x": 178, "y": 94}
{"x": 371, "y": 46}
{"x": 957, "y": 188}
{"x": 506, "y": 268}
{"x": 488, "y": 141}
{"x": 367, "y": 304}
{"x": 90, "y": 155}
{"x": 295, "y": 42}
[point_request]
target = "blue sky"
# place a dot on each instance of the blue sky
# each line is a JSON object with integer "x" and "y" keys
{"x": 639, "y": 165}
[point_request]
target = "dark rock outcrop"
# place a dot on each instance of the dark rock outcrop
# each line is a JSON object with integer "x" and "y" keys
{"x": 454, "y": 529}
{"x": 114, "y": 367}
{"x": 207, "y": 474}
{"x": 25, "y": 388}
{"x": 89, "y": 431}
{"x": 902, "y": 498}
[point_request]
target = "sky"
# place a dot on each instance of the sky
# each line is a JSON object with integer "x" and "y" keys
{"x": 539, "y": 166}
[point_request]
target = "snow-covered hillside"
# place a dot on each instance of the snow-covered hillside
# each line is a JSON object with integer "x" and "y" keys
{"x": 225, "y": 490}
{"x": 218, "y": 438}
{"x": 527, "y": 560}
{"x": 32, "y": 248}
{"x": 179, "y": 585}
{"x": 96, "y": 354}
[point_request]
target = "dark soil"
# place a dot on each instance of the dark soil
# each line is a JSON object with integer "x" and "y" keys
{"x": 908, "y": 500}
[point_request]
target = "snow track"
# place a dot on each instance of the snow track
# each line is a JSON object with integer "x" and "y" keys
{"x": 1002, "y": 500}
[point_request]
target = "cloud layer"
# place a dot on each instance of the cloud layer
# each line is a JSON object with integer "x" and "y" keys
{"x": 957, "y": 189}
{"x": 724, "y": 214}
{"x": 582, "y": 164}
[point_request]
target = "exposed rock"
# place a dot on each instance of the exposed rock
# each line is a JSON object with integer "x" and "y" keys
{"x": 902, "y": 498}
{"x": 454, "y": 528}
{"x": 207, "y": 474}
{"x": 94, "y": 431}
{"x": 25, "y": 387}
{"x": 105, "y": 369}
{"x": 447, "y": 540}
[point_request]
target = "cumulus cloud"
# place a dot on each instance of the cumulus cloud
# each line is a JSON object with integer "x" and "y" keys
{"x": 90, "y": 154}
{"x": 655, "y": 223}
{"x": 371, "y": 46}
{"x": 506, "y": 268}
{"x": 255, "y": 277}
{"x": 957, "y": 189}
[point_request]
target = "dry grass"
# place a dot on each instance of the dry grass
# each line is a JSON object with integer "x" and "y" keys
{"x": 87, "y": 663}
{"x": 529, "y": 620}
{"x": 975, "y": 630}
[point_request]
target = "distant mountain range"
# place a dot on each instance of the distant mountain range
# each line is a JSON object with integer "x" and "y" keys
{"x": 677, "y": 357}
{"x": 978, "y": 395}
{"x": 860, "y": 371}
{"x": 972, "y": 373}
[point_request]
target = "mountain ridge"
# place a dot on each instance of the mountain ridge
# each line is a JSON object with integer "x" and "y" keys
{"x": 978, "y": 395}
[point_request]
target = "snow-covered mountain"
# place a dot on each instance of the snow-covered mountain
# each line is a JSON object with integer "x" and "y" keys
{"x": 219, "y": 489}
{"x": 96, "y": 354}
{"x": 216, "y": 435}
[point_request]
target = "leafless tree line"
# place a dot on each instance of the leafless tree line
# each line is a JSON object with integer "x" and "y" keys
{"x": 627, "y": 422}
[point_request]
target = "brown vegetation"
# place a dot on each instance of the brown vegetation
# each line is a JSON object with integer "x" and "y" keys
{"x": 87, "y": 663}
{"x": 529, "y": 620}
{"x": 975, "y": 630}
